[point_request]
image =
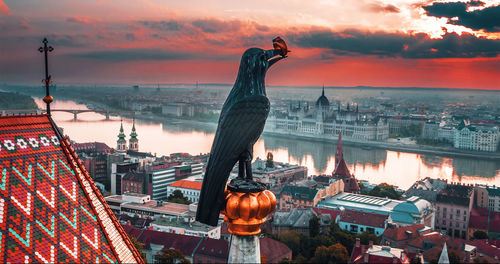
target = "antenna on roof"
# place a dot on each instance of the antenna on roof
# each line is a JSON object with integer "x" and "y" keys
{"x": 45, "y": 49}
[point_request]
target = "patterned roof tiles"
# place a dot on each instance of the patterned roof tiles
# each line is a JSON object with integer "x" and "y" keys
{"x": 50, "y": 209}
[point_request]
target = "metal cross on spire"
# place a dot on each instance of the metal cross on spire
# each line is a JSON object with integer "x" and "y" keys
{"x": 45, "y": 49}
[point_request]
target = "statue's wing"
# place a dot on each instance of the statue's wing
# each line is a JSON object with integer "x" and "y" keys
{"x": 238, "y": 130}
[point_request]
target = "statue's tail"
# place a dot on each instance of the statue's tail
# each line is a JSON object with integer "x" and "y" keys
{"x": 212, "y": 198}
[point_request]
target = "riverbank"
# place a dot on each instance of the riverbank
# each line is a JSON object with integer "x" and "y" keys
{"x": 419, "y": 149}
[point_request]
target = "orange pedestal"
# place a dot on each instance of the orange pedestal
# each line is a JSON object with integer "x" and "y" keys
{"x": 245, "y": 212}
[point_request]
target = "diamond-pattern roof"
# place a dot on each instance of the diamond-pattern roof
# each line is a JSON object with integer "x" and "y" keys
{"x": 50, "y": 209}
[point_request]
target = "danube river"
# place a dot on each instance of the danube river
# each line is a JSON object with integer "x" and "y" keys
{"x": 375, "y": 165}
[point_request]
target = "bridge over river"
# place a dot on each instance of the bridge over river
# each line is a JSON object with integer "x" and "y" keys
{"x": 75, "y": 112}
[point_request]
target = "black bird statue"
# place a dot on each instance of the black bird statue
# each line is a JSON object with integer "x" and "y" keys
{"x": 241, "y": 122}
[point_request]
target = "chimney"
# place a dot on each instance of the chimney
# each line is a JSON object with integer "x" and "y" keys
{"x": 358, "y": 242}
{"x": 365, "y": 257}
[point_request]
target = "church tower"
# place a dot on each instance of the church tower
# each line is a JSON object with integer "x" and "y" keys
{"x": 121, "y": 143}
{"x": 342, "y": 172}
{"x": 133, "y": 143}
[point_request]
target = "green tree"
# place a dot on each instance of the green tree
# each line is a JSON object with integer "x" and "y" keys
{"x": 480, "y": 235}
{"x": 171, "y": 256}
{"x": 415, "y": 260}
{"x": 270, "y": 160}
{"x": 366, "y": 237}
{"x": 313, "y": 226}
{"x": 300, "y": 259}
{"x": 138, "y": 245}
{"x": 292, "y": 240}
{"x": 453, "y": 257}
{"x": 177, "y": 197}
{"x": 285, "y": 261}
{"x": 335, "y": 253}
{"x": 385, "y": 190}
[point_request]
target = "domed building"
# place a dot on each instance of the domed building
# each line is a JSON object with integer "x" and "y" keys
{"x": 322, "y": 106}
{"x": 322, "y": 100}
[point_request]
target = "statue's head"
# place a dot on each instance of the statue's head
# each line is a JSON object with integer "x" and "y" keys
{"x": 256, "y": 61}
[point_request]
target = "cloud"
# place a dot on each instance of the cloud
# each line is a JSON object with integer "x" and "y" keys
{"x": 384, "y": 44}
{"x": 486, "y": 19}
{"x": 381, "y": 8}
{"x": 217, "y": 26}
{"x": 163, "y": 25}
{"x": 4, "y": 9}
{"x": 87, "y": 20}
{"x": 149, "y": 55}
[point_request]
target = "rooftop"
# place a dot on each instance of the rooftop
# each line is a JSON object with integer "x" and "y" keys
{"x": 359, "y": 201}
{"x": 187, "y": 184}
{"x": 38, "y": 165}
{"x": 197, "y": 226}
{"x": 363, "y": 218}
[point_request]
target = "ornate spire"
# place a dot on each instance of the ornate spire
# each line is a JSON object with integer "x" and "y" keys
{"x": 339, "y": 154}
{"x": 121, "y": 135}
{"x": 133, "y": 135}
{"x": 443, "y": 258}
{"x": 323, "y": 92}
{"x": 48, "y": 79}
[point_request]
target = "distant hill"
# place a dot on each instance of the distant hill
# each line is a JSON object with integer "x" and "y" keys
{"x": 13, "y": 101}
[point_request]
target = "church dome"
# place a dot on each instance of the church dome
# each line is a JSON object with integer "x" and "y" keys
{"x": 322, "y": 100}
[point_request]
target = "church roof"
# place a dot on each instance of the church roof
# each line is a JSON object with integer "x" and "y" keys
{"x": 50, "y": 209}
{"x": 322, "y": 100}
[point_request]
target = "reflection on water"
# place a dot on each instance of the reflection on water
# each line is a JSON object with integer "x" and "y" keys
{"x": 374, "y": 165}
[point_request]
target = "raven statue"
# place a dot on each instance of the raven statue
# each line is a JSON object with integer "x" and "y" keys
{"x": 241, "y": 122}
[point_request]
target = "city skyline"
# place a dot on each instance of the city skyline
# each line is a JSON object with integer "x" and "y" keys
{"x": 373, "y": 43}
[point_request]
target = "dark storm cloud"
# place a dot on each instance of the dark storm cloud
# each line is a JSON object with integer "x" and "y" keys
{"x": 487, "y": 19}
{"x": 217, "y": 26}
{"x": 164, "y": 25}
{"x": 383, "y": 44}
{"x": 147, "y": 55}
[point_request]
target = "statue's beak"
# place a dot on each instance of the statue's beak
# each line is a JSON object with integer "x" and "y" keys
{"x": 274, "y": 56}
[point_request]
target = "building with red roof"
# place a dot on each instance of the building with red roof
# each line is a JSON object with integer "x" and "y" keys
{"x": 201, "y": 249}
{"x": 50, "y": 209}
{"x": 190, "y": 189}
{"x": 356, "y": 221}
{"x": 377, "y": 254}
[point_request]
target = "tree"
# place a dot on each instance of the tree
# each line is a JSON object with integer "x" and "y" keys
{"x": 335, "y": 253}
{"x": 366, "y": 237}
{"x": 385, "y": 190}
{"x": 270, "y": 161}
{"x": 480, "y": 235}
{"x": 285, "y": 261}
{"x": 415, "y": 260}
{"x": 292, "y": 240}
{"x": 171, "y": 256}
{"x": 313, "y": 226}
{"x": 453, "y": 257}
{"x": 138, "y": 245}
{"x": 177, "y": 197}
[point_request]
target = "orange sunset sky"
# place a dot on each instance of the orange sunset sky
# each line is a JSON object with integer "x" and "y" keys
{"x": 453, "y": 44}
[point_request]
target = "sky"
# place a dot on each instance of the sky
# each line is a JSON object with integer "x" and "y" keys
{"x": 396, "y": 43}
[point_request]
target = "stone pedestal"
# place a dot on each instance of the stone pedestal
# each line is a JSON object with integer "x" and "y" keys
{"x": 244, "y": 249}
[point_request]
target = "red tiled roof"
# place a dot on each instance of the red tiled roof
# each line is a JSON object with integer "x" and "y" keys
{"x": 333, "y": 213}
{"x": 487, "y": 247}
{"x": 363, "y": 218}
{"x": 479, "y": 218}
{"x": 187, "y": 184}
{"x": 399, "y": 233}
{"x": 50, "y": 208}
{"x": 274, "y": 250}
{"x": 494, "y": 221}
{"x": 214, "y": 248}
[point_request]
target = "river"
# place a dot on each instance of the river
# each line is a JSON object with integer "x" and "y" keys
{"x": 375, "y": 165}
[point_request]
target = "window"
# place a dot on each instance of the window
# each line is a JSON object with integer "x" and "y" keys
{"x": 444, "y": 222}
